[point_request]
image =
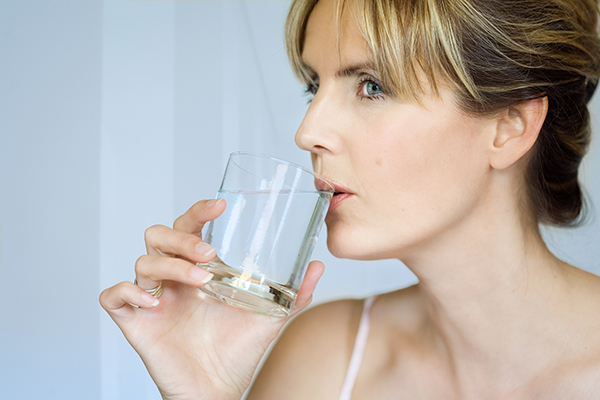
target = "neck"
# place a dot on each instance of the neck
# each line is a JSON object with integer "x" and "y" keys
{"x": 493, "y": 301}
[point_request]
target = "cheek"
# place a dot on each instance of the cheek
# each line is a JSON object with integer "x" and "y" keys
{"x": 418, "y": 173}
{"x": 403, "y": 155}
{"x": 423, "y": 165}
{"x": 431, "y": 148}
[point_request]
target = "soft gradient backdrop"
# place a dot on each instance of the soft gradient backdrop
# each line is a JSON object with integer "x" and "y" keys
{"x": 117, "y": 115}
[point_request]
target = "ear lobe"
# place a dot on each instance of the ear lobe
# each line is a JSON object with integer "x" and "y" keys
{"x": 517, "y": 129}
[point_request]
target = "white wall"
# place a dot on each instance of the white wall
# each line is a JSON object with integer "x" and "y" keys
{"x": 50, "y": 98}
{"x": 117, "y": 115}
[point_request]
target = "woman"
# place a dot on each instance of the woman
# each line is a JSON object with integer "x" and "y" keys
{"x": 452, "y": 129}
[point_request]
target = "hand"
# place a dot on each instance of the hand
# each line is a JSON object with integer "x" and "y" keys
{"x": 193, "y": 346}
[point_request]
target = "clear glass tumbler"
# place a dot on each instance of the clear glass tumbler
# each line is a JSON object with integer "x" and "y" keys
{"x": 263, "y": 240}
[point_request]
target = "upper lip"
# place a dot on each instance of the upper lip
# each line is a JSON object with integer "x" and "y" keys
{"x": 339, "y": 188}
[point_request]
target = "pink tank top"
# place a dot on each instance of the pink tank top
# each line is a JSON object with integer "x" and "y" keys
{"x": 359, "y": 349}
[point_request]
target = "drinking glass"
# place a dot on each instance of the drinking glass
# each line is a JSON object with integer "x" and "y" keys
{"x": 263, "y": 240}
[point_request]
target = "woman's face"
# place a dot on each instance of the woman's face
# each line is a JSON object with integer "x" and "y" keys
{"x": 412, "y": 172}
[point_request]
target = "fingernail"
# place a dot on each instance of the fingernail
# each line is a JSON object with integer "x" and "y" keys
{"x": 204, "y": 249}
{"x": 200, "y": 275}
{"x": 149, "y": 299}
{"x": 213, "y": 202}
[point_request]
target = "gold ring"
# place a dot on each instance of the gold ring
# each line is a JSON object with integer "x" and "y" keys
{"x": 156, "y": 292}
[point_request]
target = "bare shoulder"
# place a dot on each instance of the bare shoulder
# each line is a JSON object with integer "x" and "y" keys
{"x": 577, "y": 373}
{"x": 573, "y": 379}
{"x": 310, "y": 358}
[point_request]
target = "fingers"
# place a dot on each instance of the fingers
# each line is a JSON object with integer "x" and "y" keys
{"x": 126, "y": 294}
{"x": 161, "y": 241}
{"x": 179, "y": 244}
{"x": 311, "y": 278}
{"x": 200, "y": 213}
{"x": 150, "y": 271}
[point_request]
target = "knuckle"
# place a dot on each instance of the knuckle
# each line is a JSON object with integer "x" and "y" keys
{"x": 178, "y": 222}
{"x": 102, "y": 297}
{"x": 141, "y": 264}
{"x": 151, "y": 233}
{"x": 111, "y": 292}
{"x": 184, "y": 220}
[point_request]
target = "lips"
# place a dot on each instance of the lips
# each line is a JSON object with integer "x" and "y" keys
{"x": 341, "y": 194}
{"x": 322, "y": 185}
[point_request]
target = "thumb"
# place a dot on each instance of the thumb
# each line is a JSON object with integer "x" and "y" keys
{"x": 311, "y": 278}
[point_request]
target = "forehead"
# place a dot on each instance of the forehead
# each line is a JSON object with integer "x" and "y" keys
{"x": 331, "y": 42}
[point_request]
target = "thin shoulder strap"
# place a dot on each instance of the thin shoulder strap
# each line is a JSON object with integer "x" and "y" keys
{"x": 359, "y": 350}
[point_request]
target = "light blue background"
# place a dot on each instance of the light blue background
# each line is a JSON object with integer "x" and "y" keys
{"x": 117, "y": 115}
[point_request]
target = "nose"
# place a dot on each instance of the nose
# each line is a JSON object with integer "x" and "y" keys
{"x": 319, "y": 131}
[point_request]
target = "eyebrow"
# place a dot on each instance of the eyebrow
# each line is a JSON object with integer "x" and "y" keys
{"x": 351, "y": 70}
{"x": 355, "y": 69}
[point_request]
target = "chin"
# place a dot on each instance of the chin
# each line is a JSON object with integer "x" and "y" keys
{"x": 350, "y": 244}
{"x": 356, "y": 242}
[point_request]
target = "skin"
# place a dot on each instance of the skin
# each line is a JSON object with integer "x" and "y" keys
{"x": 495, "y": 315}
{"x": 191, "y": 344}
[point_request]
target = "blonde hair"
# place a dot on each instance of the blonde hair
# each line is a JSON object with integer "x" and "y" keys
{"x": 492, "y": 54}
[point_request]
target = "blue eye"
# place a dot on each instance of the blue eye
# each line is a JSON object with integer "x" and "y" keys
{"x": 372, "y": 89}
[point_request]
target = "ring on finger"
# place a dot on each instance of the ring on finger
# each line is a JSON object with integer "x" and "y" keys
{"x": 156, "y": 292}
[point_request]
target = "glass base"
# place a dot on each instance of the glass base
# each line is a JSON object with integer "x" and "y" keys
{"x": 248, "y": 292}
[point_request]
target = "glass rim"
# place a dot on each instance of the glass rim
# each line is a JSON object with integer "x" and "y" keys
{"x": 300, "y": 167}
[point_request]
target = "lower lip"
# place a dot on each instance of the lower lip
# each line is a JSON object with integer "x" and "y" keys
{"x": 337, "y": 200}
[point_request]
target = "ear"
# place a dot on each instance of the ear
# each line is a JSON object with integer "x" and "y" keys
{"x": 517, "y": 129}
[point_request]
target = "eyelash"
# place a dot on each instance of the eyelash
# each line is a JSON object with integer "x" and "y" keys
{"x": 365, "y": 79}
{"x": 311, "y": 89}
